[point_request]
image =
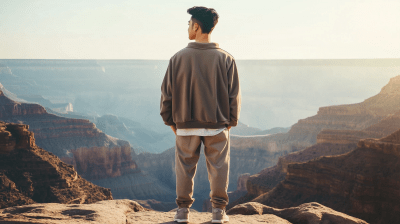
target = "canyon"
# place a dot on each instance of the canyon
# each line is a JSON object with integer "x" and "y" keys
{"x": 308, "y": 139}
{"x": 98, "y": 157}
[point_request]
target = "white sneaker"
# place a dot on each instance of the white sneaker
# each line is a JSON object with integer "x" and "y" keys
{"x": 182, "y": 215}
{"x": 219, "y": 216}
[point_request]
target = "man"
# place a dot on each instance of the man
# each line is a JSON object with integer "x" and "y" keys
{"x": 200, "y": 100}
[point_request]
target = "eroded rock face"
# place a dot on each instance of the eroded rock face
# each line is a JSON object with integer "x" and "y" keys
{"x": 54, "y": 133}
{"x": 101, "y": 162}
{"x": 30, "y": 174}
{"x": 312, "y": 213}
{"x": 330, "y": 143}
{"x": 386, "y": 126}
{"x": 362, "y": 183}
{"x": 115, "y": 169}
{"x": 357, "y": 116}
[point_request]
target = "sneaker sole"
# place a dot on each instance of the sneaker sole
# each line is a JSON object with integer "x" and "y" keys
{"x": 181, "y": 220}
{"x": 219, "y": 221}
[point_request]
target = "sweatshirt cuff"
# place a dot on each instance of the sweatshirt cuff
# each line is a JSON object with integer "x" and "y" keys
{"x": 233, "y": 123}
{"x": 169, "y": 123}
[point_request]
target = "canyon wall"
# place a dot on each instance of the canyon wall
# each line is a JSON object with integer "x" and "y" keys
{"x": 114, "y": 168}
{"x": 363, "y": 183}
{"x": 357, "y": 116}
{"x": 29, "y": 174}
{"x": 101, "y": 162}
{"x": 330, "y": 142}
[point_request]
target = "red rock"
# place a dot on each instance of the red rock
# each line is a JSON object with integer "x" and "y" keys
{"x": 29, "y": 174}
{"x": 362, "y": 183}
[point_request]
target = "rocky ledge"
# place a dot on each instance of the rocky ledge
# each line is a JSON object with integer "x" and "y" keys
{"x": 126, "y": 211}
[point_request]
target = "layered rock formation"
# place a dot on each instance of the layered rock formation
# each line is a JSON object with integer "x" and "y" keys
{"x": 330, "y": 142}
{"x": 357, "y": 117}
{"x": 362, "y": 183}
{"x": 383, "y": 118}
{"x": 115, "y": 169}
{"x": 350, "y": 117}
{"x": 386, "y": 126}
{"x": 101, "y": 162}
{"x": 54, "y": 133}
{"x": 29, "y": 174}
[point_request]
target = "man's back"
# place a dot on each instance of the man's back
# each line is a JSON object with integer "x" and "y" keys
{"x": 201, "y": 88}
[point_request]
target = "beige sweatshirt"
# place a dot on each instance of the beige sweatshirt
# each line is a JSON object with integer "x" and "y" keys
{"x": 201, "y": 88}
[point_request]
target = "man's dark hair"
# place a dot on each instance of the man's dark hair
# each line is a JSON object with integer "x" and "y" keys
{"x": 207, "y": 18}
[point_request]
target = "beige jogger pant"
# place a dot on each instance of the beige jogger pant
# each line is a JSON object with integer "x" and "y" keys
{"x": 217, "y": 153}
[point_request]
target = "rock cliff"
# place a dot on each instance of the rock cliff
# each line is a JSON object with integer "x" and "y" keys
{"x": 330, "y": 142}
{"x": 362, "y": 183}
{"x": 357, "y": 116}
{"x": 101, "y": 162}
{"x": 29, "y": 174}
{"x": 54, "y": 133}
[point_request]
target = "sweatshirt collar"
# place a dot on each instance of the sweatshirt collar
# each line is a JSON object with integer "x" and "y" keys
{"x": 203, "y": 46}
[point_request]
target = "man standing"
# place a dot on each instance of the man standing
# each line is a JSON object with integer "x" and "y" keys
{"x": 200, "y": 100}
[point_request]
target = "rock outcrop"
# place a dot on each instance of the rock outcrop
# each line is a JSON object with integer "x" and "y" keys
{"x": 306, "y": 213}
{"x": 129, "y": 212}
{"x": 54, "y": 133}
{"x": 362, "y": 183}
{"x": 29, "y": 174}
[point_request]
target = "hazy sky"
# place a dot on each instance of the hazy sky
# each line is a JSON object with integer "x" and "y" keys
{"x": 157, "y": 29}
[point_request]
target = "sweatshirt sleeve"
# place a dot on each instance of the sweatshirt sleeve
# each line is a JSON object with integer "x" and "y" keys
{"x": 235, "y": 95}
{"x": 166, "y": 96}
